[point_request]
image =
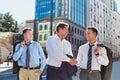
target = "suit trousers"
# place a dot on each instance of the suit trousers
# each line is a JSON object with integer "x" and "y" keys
{"x": 26, "y": 74}
{"x": 54, "y": 74}
{"x": 90, "y": 76}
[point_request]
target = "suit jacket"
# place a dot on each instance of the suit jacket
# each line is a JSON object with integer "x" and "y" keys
{"x": 66, "y": 71}
{"x": 15, "y": 63}
{"x": 106, "y": 71}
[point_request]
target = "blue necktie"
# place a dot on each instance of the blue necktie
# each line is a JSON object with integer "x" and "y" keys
{"x": 27, "y": 56}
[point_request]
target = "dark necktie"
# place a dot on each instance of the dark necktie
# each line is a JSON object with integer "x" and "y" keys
{"x": 89, "y": 57}
{"x": 27, "y": 56}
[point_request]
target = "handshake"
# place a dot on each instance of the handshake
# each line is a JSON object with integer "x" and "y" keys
{"x": 73, "y": 62}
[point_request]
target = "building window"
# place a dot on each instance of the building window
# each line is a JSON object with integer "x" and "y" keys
{"x": 72, "y": 40}
{"x": 45, "y": 36}
{"x": 40, "y": 37}
{"x": 80, "y": 32}
{"x": 69, "y": 28}
{"x": 46, "y": 27}
{"x": 41, "y": 27}
{"x": 75, "y": 30}
{"x": 72, "y": 29}
{"x": 75, "y": 41}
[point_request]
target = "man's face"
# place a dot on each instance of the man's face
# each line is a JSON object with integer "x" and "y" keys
{"x": 28, "y": 35}
{"x": 64, "y": 31}
{"x": 90, "y": 35}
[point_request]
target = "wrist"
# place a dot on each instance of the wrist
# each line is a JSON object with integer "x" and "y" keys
{"x": 97, "y": 54}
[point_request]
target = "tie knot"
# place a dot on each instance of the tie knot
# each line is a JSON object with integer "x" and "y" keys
{"x": 91, "y": 45}
{"x": 27, "y": 44}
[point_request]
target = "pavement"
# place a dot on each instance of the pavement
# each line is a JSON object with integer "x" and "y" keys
{"x": 6, "y": 73}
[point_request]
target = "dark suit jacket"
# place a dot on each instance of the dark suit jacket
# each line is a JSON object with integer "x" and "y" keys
{"x": 66, "y": 71}
{"x": 15, "y": 64}
{"x": 106, "y": 71}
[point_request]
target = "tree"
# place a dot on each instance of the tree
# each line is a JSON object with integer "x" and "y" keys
{"x": 8, "y": 21}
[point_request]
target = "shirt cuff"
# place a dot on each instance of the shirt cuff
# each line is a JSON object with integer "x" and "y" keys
{"x": 68, "y": 59}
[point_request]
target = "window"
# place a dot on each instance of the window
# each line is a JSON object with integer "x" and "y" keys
{"x": 41, "y": 27}
{"x": 40, "y": 37}
{"x": 45, "y": 36}
{"x": 72, "y": 40}
{"x": 46, "y": 27}
{"x": 75, "y": 41}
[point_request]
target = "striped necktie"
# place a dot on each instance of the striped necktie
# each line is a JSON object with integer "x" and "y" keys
{"x": 89, "y": 57}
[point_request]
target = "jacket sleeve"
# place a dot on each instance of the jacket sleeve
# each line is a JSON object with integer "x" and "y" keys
{"x": 102, "y": 58}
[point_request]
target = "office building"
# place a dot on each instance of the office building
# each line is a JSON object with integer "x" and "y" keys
{"x": 73, "y": 10}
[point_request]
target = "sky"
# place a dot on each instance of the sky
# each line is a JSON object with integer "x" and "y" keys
{"x": 23, "y": 10}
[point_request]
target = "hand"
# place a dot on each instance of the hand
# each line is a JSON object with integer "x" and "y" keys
{"x": 97, "y": 51}
{"x": 38, "y": 71}
{"x": 22, "y": 44}
{"x": 73, "y": 62}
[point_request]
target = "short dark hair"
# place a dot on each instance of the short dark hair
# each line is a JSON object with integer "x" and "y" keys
{"x": 61, "y": 25}
{"x": 25, "y": 30}
{"x": 93, "y": 29}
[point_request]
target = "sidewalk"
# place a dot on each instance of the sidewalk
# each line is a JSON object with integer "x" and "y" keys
{"x": 4, "y": 66}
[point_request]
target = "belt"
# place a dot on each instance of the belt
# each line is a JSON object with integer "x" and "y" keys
{"x": 89, "y": 71}
{"x": 53, "y": 67}
{"x": 30, "y": 68}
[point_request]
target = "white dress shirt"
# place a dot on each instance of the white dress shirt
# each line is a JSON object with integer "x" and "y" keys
{"x": 82, "y": 57}
{"x": 57, "y": 50}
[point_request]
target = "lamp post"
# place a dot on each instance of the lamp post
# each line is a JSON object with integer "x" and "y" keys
{"x": 51, "y": 16}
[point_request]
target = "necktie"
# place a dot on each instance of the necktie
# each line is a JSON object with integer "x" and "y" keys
{"x": 27, "y": 56}
{"x": 89, "y": 57}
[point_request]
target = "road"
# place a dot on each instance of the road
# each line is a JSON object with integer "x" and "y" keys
{"x": 7, "y": 75}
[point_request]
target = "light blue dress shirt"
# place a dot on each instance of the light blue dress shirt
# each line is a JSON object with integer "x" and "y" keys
{"x": 37, "y": 57}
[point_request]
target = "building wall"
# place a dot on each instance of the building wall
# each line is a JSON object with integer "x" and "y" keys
{"x": 43, "y": 8}
{"x": 101, "y": 16}
{"x": 28, "y": 24}
{"x": 44, "y": 32}
{"x": 73, "y": 10}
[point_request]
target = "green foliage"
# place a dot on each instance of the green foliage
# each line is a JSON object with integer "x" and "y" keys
{"x": 7, "y": 21}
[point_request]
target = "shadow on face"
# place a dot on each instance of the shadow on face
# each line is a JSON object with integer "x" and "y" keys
{"x": 90, "y": 35}
{"x": 28, "y": 35}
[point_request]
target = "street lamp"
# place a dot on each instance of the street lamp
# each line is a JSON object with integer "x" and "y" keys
{"x": 51, "y": 16}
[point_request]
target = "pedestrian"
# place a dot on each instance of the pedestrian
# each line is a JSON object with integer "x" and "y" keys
{"x": 91, "y": 57}
{"x": 30, "y": 57}
{"x": 9, "y": 58}
{"x": 58, "y": 48}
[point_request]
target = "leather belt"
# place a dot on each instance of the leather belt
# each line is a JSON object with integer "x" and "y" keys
{"x": 30, "y": 68}
{"x": 90, "y": 71}
{"x": 56, "y": 68}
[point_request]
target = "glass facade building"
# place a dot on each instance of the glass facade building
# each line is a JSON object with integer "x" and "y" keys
{"x": 78, "y": 12}
{"x": 73, "y": 10}
{"x": 43, "y": 8}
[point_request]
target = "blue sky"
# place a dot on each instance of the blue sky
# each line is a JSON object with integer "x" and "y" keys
{"x": 23, "y": 9}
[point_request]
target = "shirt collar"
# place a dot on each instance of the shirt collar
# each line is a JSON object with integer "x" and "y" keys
{"x": 30, "y": 42}
{"x": 94, "y": 43}
{"x": 58, "y": 37}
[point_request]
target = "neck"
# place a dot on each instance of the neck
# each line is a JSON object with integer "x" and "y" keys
{"x": 92, "y": 41}
{"x": 27, "y": 41}
{"x": 60, "y": 36}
